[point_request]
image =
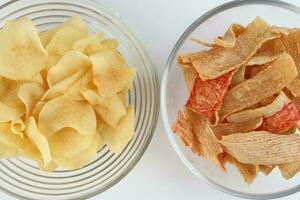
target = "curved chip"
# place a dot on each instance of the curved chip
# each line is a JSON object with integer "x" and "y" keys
{"x": 111, "y": 109}
{"x": 67, "y": 142}
{"x": 30, "y": 94}
{"x": 228, "y": 40}
{"x": 190, "y": 75}
{"x": 82, "y": 158}
{"x": 7, "y": 151}
{"x": 262, "y": 148}
{"x": 238, "y": 77}
{"x": 266, "y": 83}
{"x": 75, "y": 21}
{"x": 62, "y": 112}
{"x": 266, "y": 169}
{"x": 22, "y": 54}
{"x": 209, "y": 143}
{"x": 117, "y": 138}
{"x": 281, "y": 121}
{"x": 211, "y": 65}
{"x": 206, "y": 96}
{"x": 110, "y": 73}
{"x": 248, "y": 171}
{"x": 63, "y": 40}
{"x": 39, "y": 140}
{"x": 289, "y": 170}
{"x": 11, "y": 107}
{"x": 17, "y": 127}
{"x": 61, "y": 87}
{"x": 240, "y": 127}
{"x": 264, "y": 111}
{"x": 8, "y": 138}
{"x": 67, "y": 66}
{"x": 88, "y": 45}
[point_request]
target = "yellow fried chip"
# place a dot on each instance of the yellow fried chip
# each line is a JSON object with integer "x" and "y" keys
{"x": 67, "y": 66}
{"x": 262, "y": 148}
{"x": 265, "y": 111}
{"x": 7, "y": 151}
{"x": 124, "y": 91}
{"x": 11, "y": 107}
{"x": 39, "y": 140}
{"x": 62, "y": 112}
{"x": 289, "y": 170}
{"x": 22, "y": 54}
{"x": 228, "y": 40}
{"x": 30, "y": 94}
{"x": 8, "y": 138}
{"x": 264, "y": 84}
{"x": 294, "y": 87}
{"x": 86, "y": 45}
{"x": 74, "y": 92}
{"x": 82, "y": 158}
{"x": 63, "y": 40}
{"x": 17, "y": 127}
{"x": 211, "y": 65}
{"x": 239, "y": 127}
{"x": 36, "y": 110}
{"x": 110, "y": 73}
{"x": 75, "y": 21}
{"x": 111, "y": 109}
{"x": 67, "y": 142}
{"x": 117, "y": 138}
{"x": 61, "y": 87}
{"x": 248, "y": 171}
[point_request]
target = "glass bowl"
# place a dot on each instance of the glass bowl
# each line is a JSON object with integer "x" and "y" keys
{"x": 21, "y": 178}
{"x": 174, "y": 95}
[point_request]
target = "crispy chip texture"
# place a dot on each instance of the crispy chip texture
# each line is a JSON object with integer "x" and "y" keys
{"x": 117, "y": 138}
{"x": 264, "y": 111}
{"x": 213, "y": 64}
{"x": 17, "y": 127}
{"x": 22, "y": 54}
{"x": 250, "y": 92}
{"x": 289, "y": 170}
{"x": 282, "y": 120}
{"x": 209, "y": 143}
{"x": 190, "y": 75}
{"x": 228, "y": 40}
{"x": 263, "y": 148}
{"x": 207, "y": 96}
{"x": 55, "y": 115}
{"x": 248, "y": 171}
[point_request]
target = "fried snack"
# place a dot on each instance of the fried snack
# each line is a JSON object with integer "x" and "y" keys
{"x": 238, "y": 77}
{"x": 210, "y": 65}
{"x": 250, "y": 92}
{"x": 190, "y": 75}
{"x": 289, "y": 170}
{"x": 264, "y": 111}
{"x": 209, "y": 144}
{"x": 239, "y": 127}
{"x": 281, "y": 121}
{"x": 82, "y": 119}
{"x": 22, "y": 54}
{"x": 266, "y": 169}
{"x": 262, "y": 148}
{"x": 228, "y": 40}
{"x": 62, "y": 94}
{"x": 207, "y": 96}
{"x": 247, "y": 171}
{"x": 269, "y": 51}
{"x": 248, "y": 118}
{"x": 117, "y": 138}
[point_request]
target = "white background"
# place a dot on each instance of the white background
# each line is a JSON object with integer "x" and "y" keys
{"x": 160, "y": 174}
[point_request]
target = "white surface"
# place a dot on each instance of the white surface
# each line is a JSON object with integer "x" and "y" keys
{"x": 160, "y": 174}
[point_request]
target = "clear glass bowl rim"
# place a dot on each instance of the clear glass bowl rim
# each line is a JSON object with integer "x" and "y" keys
{"x": 136, "y": 42}
{"x": 172, "y": 56}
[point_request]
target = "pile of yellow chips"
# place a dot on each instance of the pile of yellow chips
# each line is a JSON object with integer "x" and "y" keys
{"x": 244, "y": 102}
{"x": 62, "y": 94}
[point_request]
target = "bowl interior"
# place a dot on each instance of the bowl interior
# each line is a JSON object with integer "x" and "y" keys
{"x": 175, "y": 94}
{"x": 21, "y": 178}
